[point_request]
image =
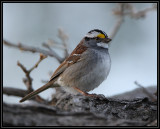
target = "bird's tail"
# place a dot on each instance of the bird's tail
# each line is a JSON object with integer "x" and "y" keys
{"x": 30, "y": 95}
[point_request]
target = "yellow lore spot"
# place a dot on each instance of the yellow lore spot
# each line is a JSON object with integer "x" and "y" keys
{"x": 101, "y": 36}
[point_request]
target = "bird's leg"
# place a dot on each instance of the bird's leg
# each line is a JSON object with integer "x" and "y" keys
{"x": 84, "y": 93}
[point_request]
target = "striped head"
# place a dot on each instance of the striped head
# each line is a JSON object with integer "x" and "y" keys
{"x": 98, "y": 38}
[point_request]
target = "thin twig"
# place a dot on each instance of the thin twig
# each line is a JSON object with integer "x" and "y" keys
{"x": 46, "y": 46}
{"x": 33, "y": 49}
{"x": 120, "y": 19}
{"x": 52, "y": 43}
{"x": 141, "y": 13}
{"x": 28, "y": 79}
{"x": 64, "y": 39}
{"x": 50, "y": 49}
{"x": 146, "y": 91}
{"x": 127, "y": 9}
{"x": 116, "y": 27}
{"x": 130, "y": 10}
{"x": 36, "y": 65}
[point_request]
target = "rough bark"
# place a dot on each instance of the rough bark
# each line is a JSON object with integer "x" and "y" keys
{"x": 71, "y": 110}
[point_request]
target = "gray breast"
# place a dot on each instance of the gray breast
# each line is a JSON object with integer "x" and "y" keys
{"x": 90, "y": 72}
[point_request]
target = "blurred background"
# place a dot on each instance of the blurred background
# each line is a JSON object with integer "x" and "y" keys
{"x": 133, "y": 50}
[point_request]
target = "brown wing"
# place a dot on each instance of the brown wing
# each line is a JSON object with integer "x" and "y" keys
{"x": 72, "y": 59}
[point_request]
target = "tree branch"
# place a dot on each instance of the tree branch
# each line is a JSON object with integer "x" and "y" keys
{"x": 33, "y": 49}
{"x": 36, "y": 65}
{"x": 127, "y": 9}
{"x": 21, "y": 93}
{"x": 28, "y": 80}
{"x": 14, "y": 91}
{"x": 54, "y": 44}
{"x": 82, "y": 111}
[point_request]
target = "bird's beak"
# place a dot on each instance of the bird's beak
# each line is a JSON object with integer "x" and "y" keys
{"x": 107, "y": 40}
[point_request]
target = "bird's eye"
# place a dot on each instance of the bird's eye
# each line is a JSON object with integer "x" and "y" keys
{"x": 97, "y": 38}
{"x": 87, "y": 39}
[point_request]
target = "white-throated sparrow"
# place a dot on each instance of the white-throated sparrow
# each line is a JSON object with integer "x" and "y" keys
{"x": 86, "y": 67}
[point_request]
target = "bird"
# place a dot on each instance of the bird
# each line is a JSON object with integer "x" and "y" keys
{"x": 84, "y": 69}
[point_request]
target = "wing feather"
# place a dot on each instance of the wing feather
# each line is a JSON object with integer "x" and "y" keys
{"x": 72, "y": 59}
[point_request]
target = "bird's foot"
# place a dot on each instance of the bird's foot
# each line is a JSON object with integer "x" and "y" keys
{"x": 85, "y": 94}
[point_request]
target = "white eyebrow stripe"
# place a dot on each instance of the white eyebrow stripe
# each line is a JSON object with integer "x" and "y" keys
{"x": 92, "y": 35}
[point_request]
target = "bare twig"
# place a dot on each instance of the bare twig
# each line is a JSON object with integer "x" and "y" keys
{"x": 141, "y": 13}
{"x": 52, "y": 51}
{"x": 28, "y": 79}
{"x": 52, "y": 43}
{"x": 130, "y": 10}
{"x": 64, "y": 39}
{"x": 127, "y": 9}
{"x": 146, "y": 91}
{"x": 116, "y": 27}
{"x": 119, "y": 21}
{"x": 36, "y": 65}
{"x": 33, "y": 49}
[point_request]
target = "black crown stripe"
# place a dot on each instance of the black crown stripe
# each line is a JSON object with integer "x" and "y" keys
{"x": 100, "y": 31}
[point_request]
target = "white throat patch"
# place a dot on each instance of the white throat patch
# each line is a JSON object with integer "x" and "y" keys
{"x": 101, "y": 44}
